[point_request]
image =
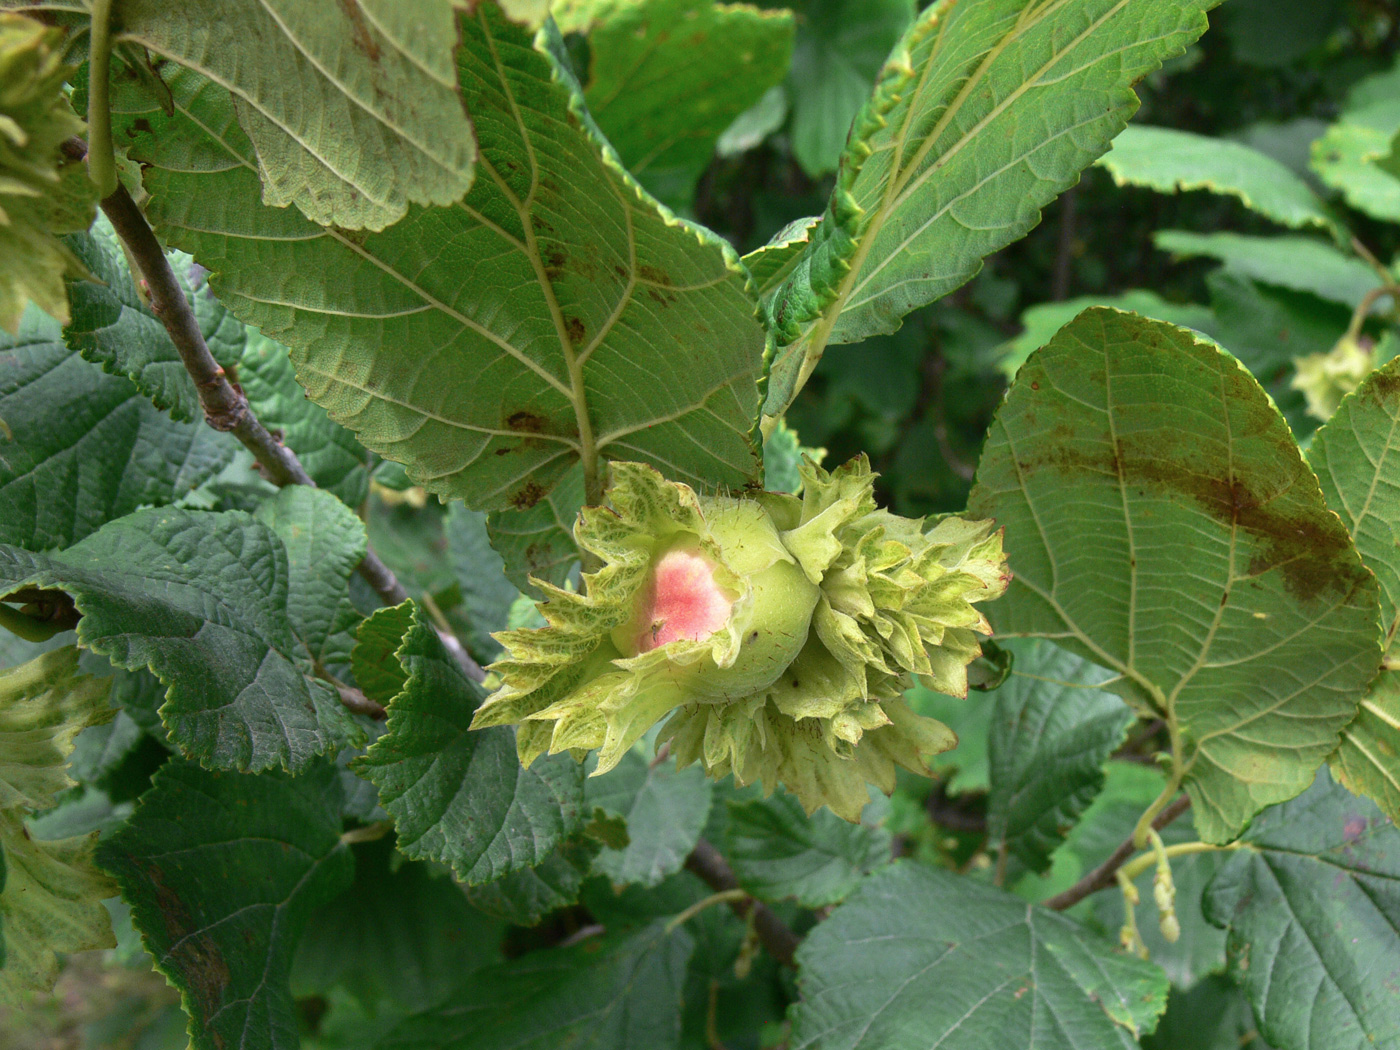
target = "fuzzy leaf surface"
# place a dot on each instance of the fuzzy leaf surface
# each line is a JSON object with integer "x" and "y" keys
{"x": 779, "y": 852}
{"x": 461, "y": 797}
{"x": 983, "y": 114}
{"x": 620, "y": 993}
{"x": 1313, "y": 909}
{"x": 1052, "y": 732}
{"x": 80, "y": 448}
{"x": 222, "y": 872}
{"x": 1161, "y": 522}
{"x": 1357, "y": 459}
{"x": 200, "y": 598}
{"x": 918, "y": 957}
{"x": 1169, "y": 161}
{"x": 329, "y": 452}
{"x": 353, "y": 109}
{"x": 555, "y": 316}
{"x": 667, "y": 77}
{"x": 665, "y": 810}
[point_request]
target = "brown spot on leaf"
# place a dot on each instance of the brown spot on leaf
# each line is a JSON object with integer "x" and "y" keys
{"x": 575, "y": 330}
{"x": 525, "y": 422}
{"x": 528, "y": 496}
{"x": 359, "y": 31}
{"x": 194, "y": 955}
{"x": 655, "y": 276}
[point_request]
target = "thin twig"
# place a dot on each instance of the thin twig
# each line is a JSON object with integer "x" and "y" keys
{"x": 1106, "y": 873}
{"x": 225, "y": 407}
{"x": 779, "y": 941}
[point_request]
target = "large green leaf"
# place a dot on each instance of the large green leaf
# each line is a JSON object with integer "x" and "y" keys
{"x": 222, "y": 872}
{"x": 1312, "y": 903}
{"x": 539, "y": 541}
{"x": 1168, "y": 160}
{"x": 487, "y": 594}
{"x": 113, "y": 323}
{"x": 840, "y": 46}
{"x": 524, "y": 897}
{"x": 919, "y": 957}
{"x": 666, "y": 77}
{"x": 79, "y": 448}
{"x": 201, "y": 599}
{"x": 1052, "y": 732}
{"x": 353, "y": 109}
{"x": 400, "y": 938}
{"x": 665, "y": 810}
{"x": 324, "y": 541}
{"x": 779, "y": 852}
{"x": 1357, "y": 458}
{"x": 984, "y": 113}
{"x": 1161, "y": 522}
{"x": 50, "y": 894}
{"x": 1348, "y": 158}
{"x": 621, "y": 993}
{"x": 329, "y": 452}
{"x": 554, "y": 317}
{"x": 457, "y": 796}
{"x": 1045, "y": 319}
{"x": 1299, "y": 263}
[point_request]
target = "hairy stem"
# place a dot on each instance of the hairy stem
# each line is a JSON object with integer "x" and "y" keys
{"x": 225, "y": 407}
{"x": 1105, "y": 874}
{"x": 101, "y": 160}
{"x": 779, "y": 941}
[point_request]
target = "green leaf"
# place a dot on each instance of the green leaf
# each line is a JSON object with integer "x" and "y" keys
{"x": 41, "y": 194}
{"x": 1168, "y": 160}
{"x": 1043, "y": 320}
{"x": 667, "y": 77}
{"x": 665, "y": 810}
{"x": 1313, "y": 908}
{"x": 329, "y": 452}
{"x": 399, "y": 938}
{"x": 114, "y": 326}
{"x": 324, "y": 541}
{"x": 44, "y": 705}
{"x": 100, "y": 749}
{"x": 50, "y": 901}
{"x": 555, "y": 317}
{"x": 320, "y": 92}
{"x": 1052, "y": 732}
{"x": 617, "y": 993}
{"x": 1267, "y": 328}
{"x": 779, "y": 852}
{"x": 1213, "y": 1015}
{"x": 461, "y": 797}
{"x": 539, "y": 542}
{"x": 1349, "y": 158}
{"x": 919, "y": 957}
{"x": 1161, "y": 522}
{"x": 982, "y": 115}
{"x": 965, "y": 768}
{"x": 1357, "y": 459}
{"x": 201, "y": 599}
{"x": 79, "y": 448}
{"x": 524, "y": 897}
{"x": 223, "y": 872}
{"x": 1128, "y": 789}
{"x": 487, "y": 594}
{"x": 840, "y": 46}
{"x": 50, "y": 894}
{"x": 1290, "y": 262}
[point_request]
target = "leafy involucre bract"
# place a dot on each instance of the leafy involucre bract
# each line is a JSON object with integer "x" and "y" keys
{"x": 778, "y": 634}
